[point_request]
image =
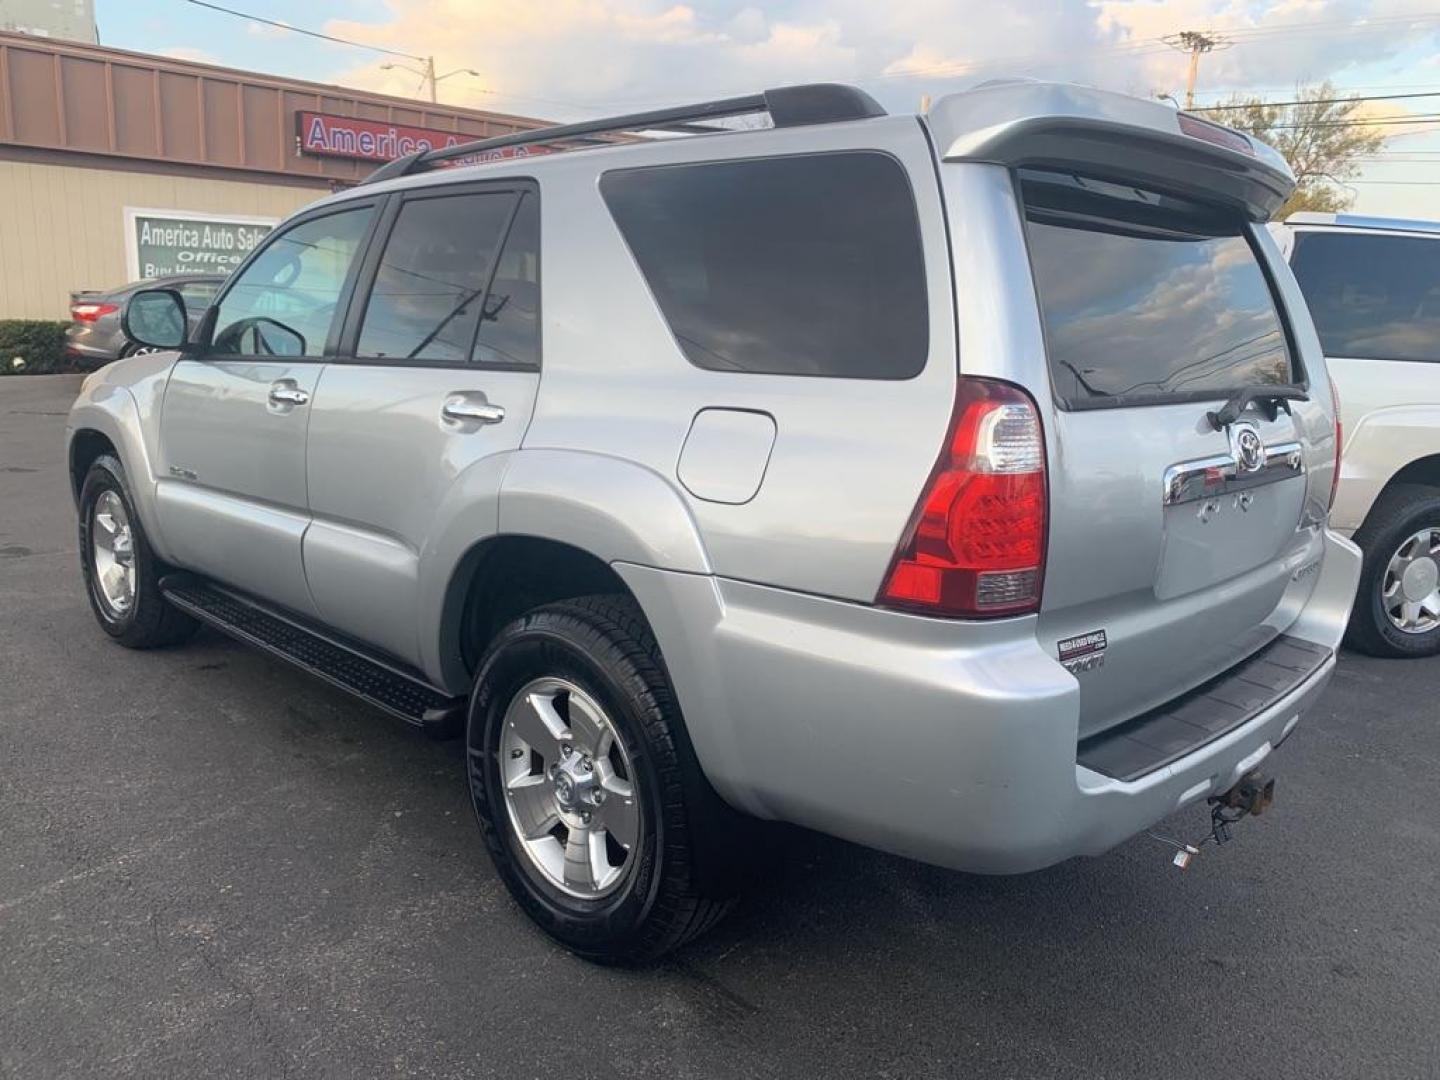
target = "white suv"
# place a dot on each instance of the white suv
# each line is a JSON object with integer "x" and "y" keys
{"x": 1373, "y": 286}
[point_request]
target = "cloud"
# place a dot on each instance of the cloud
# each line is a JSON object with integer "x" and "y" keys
{"x": 566, "y": 59}
{"x": 185, "y": 52}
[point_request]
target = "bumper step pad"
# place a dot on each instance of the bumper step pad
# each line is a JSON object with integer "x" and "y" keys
{"x": 380, "y": 684}
{"x": 1154, "y": 739}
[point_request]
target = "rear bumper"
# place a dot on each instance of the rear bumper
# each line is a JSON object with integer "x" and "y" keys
{"x": 86, "y": 345}
{"x": 951, "y": 743}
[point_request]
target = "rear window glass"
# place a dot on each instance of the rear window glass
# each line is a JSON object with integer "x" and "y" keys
{"x": 807, "y": 265}
{"x": 1146, "y": 298}
{"x": 1376, "y": 297}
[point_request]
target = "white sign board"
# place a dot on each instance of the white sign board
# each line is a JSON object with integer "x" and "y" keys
{"x": 159, "y": 243}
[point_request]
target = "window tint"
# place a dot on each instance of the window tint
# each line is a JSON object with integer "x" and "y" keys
{"x": 510, "y": 330}
{"x": 425, "y": 304}
{"x": 787, "y": 266}
{"x": 1146, "y": 298}
{"x": 1376, "y": 297}
{"x": 284, "y": 302}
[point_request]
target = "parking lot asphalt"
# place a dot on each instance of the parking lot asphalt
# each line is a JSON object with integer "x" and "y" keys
{"x": 211, "y": 865}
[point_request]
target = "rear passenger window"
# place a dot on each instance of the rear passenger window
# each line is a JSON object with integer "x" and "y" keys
{"x": 430, "y": 284}
{"x": 806, "y": 265}
{"x": 1372, "y": 297}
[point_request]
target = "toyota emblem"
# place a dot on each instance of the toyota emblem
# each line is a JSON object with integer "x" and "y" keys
{"x": 1249, "y": 450}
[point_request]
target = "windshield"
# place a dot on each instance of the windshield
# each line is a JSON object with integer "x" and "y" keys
{"x": 1148, "y": 299}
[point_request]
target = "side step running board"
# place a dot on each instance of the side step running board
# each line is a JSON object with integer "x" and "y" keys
{"x": 383, "y": 685}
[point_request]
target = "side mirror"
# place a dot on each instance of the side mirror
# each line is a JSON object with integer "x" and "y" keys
{"x": 155, "y": 317}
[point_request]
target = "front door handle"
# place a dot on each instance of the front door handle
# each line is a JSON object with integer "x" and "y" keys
{"x": 286, "y": 392}
{"x": 471, "y": 407}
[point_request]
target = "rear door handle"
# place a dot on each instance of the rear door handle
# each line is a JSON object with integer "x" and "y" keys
{"x": 286, "y": 392}
{"x": 471, "y": 407}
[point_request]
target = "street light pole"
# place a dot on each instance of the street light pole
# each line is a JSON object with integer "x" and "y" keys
{"x": 428, "y": 76}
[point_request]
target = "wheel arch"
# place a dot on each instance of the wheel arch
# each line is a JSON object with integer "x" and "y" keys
{"x": 1388, "y": 447}
{"x": 108, "y": 419}
{"x": 562, "y": 521}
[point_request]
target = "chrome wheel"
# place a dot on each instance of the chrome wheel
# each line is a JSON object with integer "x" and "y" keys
{"x": 1410, "y": 589}
{"x": 112, "y": 551}
{"x": 569, "y": 788}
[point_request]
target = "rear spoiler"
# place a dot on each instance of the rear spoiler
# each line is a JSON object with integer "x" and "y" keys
{"x": 1111, "y": 137}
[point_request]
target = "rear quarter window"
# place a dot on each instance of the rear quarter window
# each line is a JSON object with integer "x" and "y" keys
{"x": 806, "y": 265}
{"x": 1373, "y": 297}
{"x": 1148, "y": 299}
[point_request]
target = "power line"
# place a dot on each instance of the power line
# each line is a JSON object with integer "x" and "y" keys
{"x": 1150, "y": 46}
{"x": 1315, "y": 101}
{"x": 301, "y": 30}
{"x": 1350, "y": 25}
{"x": 1195, "y": 43}
{"x": 1428, "y": 118}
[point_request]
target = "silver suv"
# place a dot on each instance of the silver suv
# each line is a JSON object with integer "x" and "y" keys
{"x": 956, "y": 485}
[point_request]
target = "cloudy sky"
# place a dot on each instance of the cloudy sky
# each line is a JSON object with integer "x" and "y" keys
{"x": 571, "y": 59}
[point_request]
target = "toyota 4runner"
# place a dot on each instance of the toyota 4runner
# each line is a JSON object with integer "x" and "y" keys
{"x": 956, "y": 485}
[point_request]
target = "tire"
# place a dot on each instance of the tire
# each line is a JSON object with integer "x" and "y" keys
{"x": 666, "y": 891}
{"x": 147, "y": 621}
{"x": 130, "y": 348}
{"x": 1399, "y": 515}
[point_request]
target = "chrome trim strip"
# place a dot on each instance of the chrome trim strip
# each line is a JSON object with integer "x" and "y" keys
{"x": 1212, "y": 477}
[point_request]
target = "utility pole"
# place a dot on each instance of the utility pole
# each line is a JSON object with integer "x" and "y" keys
{"x": 430, "y": 77}
{"x": 1194, "y": 42}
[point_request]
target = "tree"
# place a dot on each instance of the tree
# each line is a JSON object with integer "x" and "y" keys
{"x": 1322, "y": 139}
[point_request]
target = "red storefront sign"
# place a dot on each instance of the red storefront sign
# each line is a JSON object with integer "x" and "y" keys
{"x": 328, "y": 135}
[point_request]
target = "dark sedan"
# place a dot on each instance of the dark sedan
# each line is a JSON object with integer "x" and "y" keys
{"x": 95, "y": 335}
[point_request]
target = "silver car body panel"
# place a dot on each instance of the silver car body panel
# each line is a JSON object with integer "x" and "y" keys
{"x": 950, "y": 743}
{"x": 634, "y": 396}
{"x": 386, "y": 473}
{"x": 230, "y": 483}
{"x": 948, "y": 740}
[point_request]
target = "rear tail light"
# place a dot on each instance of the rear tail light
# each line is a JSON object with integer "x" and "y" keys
{"x": 976, "y": 542}
{"x": 91, "y": 312}
{"x": 1339, "y": 442}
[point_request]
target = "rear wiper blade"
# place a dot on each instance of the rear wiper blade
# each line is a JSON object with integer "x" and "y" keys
{"x": 1271, "y": 399}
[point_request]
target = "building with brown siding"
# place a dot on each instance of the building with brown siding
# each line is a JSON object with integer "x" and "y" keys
{"x": 115, "y": 163}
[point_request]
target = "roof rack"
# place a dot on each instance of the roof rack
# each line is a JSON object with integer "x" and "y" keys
{"x": 1363, "y": 221}
{"x": 788, "y": 106}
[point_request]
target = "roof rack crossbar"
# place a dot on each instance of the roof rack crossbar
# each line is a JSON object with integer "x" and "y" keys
{"x": 789, "y": 106}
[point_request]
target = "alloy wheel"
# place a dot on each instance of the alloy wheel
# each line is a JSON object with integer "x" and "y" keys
{"x": 569, "y": 787}
{"x": 1410, "y": 589}
{"x": 112, "y": 550}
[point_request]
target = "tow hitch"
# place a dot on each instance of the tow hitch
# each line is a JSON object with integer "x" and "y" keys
{"x": 1252, "y": 795}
